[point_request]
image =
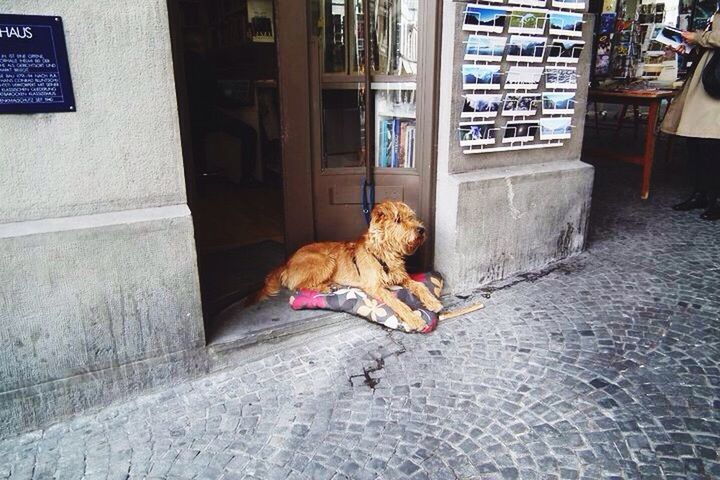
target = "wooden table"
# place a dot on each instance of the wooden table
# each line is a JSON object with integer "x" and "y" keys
{"x": 646, "y": 98}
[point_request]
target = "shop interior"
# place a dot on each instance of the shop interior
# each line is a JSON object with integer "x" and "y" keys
{"x": 228, "y": 101}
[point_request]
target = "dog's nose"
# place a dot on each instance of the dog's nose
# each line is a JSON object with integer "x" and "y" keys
{"x": 421, "y": 230}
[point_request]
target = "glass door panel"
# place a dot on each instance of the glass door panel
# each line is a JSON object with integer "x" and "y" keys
{"x": 342, "y": 127}
{"x": 394, "y": 37}
{"x": 334, "y": 19}
{"x": 395, "y": 125}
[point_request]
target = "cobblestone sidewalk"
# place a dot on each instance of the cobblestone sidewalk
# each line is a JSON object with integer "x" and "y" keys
{"x": 603, "y": 367}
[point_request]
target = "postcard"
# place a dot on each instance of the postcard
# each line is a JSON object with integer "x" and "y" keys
{"x": 482, "y": 18}
{"x": 526, "y": 49}
{"x": 571, "y": 4}
{"x": 558, "y": 102}
{"x": 561, "y": 77}
{"x": 566, "y": 24}
{"x": 520, "y": 104}
{"x": 481, "y": 77}
{"x": 528, "y": 20}
{"x": 477, "y": 133}
{"x": 565, "y": 51}
{"x": 486, "y": 105}
{"x": 555, "y": 128}
{"x": 671, "y": 36}
{"x": 523, "y": 78}
{"x": 521, "y": 131}
{"x": 607, "y": 22}
{"x": 485, "y": 48}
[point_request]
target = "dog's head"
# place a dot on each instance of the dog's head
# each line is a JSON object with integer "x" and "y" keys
{"x": 394, "y": 227}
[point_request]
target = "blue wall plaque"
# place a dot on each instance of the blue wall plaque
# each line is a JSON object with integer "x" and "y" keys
{"x": 34, "y": 70}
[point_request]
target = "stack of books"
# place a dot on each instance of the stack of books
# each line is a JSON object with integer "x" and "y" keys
{"x": 396, "y": 143}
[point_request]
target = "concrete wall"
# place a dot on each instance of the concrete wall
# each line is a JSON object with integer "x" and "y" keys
{"x": 97, "y": 257}
{"x": 502, "y": 213}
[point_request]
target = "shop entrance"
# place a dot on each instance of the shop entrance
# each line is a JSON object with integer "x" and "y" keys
{"x": 226, "y": 75}
{"x": 285, "y": 118}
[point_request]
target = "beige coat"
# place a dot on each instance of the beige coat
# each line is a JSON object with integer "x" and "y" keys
{"x": 694, "y": 113}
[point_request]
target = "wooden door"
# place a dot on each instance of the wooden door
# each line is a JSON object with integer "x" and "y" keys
{"x": 401, "y": 116}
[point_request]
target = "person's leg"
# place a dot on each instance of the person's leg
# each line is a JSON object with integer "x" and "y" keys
{"x": 697, "y": 163}
{"x": 712, "y": 179}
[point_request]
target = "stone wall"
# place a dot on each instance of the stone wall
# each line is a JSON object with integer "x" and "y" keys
{"x": 97, "y": 256}
{"x": 503, "y": 213}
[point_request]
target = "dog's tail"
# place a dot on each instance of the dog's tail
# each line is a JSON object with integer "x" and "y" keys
{"x": 273, "y": 282}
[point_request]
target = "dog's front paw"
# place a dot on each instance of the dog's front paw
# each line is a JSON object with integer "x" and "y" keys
{"x": 434, "y": 305}
{"x": 413, "y": 322}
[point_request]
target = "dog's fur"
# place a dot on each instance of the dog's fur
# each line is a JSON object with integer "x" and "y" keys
{"x": 373, "y": 263}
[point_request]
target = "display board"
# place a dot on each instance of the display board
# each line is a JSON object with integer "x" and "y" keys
{"x": 34, "y": 70}
{"x": 519, "y": 74}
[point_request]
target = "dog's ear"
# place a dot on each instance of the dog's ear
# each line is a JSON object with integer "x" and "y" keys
{"x": 384, "y": 210}
{"x": 379, "y": 212}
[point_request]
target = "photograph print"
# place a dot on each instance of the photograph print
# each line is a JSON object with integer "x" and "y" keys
{"x": 558, "y": 102}
{"x": 482, "y": 18}
{"x": 528, "y": 20}
{"x": 486, "y": 106}
{"x": 521, "y": 131}
{"x": 565, "y": 51}
{"x": 485, "y": 48}
{"x": 566, "y": 24}
{"x": 481, "y": 77}
{"x": 569, "y": 4}
{"x": 477, "y": 133}
{"x": 526, "y": 49}
{"x": 671, "y": 37}
{"x": 523, "y": 78}
{"x": 555, "y": 128}
{"x": 520, "y": 104}
{"x": 560, "y": 77}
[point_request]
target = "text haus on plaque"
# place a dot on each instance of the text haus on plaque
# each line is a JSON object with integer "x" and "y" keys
{"x": 34, "y": 69}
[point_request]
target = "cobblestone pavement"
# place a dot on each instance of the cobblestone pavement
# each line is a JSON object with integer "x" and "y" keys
{"x": 603, "y": 367}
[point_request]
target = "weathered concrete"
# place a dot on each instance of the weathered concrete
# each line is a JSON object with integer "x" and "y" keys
{"x": 512, "y": 220}
{"x": 85, "y": 300}
{"x": 502, "y": 213}
{"x": 121, "y": 149}
{"x": 99, "y": 292}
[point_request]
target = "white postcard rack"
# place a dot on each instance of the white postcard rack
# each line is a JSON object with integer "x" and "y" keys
{"x": 519, "y": 74}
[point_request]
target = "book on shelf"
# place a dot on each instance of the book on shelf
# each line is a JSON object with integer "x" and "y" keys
{"x": 396, "y": 143}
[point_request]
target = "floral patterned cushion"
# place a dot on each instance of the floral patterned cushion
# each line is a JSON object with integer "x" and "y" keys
{"x": 357, "y": 302}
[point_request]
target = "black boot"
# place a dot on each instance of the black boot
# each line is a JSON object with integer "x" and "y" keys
{"x": 697, "y": 200}
{"x": 713, "y": 211}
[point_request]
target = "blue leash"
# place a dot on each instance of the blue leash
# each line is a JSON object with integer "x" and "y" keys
{"x": 368, "y": 199}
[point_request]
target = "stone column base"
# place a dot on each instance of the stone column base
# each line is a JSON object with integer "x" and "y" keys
{"x": 494, "y": 223}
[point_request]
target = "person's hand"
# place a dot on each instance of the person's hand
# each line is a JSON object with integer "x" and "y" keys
{"x": 679, "y": 49}
{"x": 690, "y": 37}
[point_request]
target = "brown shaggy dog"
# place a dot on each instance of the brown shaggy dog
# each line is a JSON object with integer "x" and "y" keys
{"x": 373, "y": 263}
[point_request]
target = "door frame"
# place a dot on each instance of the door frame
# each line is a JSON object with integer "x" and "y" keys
{"x": 291, "y": 20}
{"x": 295, "y": 83}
